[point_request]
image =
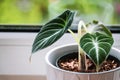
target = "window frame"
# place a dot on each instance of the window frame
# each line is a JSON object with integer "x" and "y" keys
{"x": 36, "y": 28}
{"x": 19, "y": 27}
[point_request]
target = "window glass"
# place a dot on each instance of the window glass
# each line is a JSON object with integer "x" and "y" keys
{"x": 40, "y": 11}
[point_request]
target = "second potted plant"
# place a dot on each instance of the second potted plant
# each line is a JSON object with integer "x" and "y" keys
{"x": 94, "y": 42}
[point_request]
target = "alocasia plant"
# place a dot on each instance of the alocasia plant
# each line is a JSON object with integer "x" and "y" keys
{"x": 53, "y": 30}
{"x": 96, "y": 42}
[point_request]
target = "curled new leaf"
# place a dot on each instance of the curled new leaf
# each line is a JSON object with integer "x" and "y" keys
{"x": 53, "y": 30}
{"x": 97, "y": 26}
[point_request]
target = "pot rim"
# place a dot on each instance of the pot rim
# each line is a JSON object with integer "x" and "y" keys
{"x": 73, "y": 44}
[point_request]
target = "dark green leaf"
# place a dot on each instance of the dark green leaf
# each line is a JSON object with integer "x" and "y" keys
{"x": 53, "y": 30}
{"x": 96, "y": 46}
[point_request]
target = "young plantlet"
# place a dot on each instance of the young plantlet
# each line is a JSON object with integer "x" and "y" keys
{"x": 96, "y": 42}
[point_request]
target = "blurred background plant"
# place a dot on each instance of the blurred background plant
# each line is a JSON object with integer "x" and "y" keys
{"x": 40, "y": 11}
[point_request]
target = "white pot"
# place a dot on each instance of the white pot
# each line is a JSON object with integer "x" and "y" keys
{"x": 55, "y": 73}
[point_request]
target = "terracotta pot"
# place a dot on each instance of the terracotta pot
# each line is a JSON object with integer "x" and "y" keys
{"x": 55, "y": 73}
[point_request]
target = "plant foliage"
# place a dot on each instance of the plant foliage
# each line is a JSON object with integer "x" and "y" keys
{"x": 53, "y": 30}
{"x": 96, "y": 41}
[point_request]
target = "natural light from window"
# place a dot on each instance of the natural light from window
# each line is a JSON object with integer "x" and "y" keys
{"x": 40, "y": 11}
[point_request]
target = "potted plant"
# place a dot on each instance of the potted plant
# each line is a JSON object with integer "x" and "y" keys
{"x": 96, "y": 58}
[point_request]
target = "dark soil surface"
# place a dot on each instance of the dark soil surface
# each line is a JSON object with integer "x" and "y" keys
{"x": 70, "y": 62}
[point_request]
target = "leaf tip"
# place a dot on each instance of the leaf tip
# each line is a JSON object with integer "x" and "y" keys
{"x": 30, "y": 58}
{"x": 95, "y": 21}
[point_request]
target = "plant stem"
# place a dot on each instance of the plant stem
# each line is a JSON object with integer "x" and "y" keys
{"x": 82, "y": 56}
{"x": 74, "y": 36}
{"x": 79, "y": 49}
{"x": 97, "y": 68}
{"x": 81, "y": 59}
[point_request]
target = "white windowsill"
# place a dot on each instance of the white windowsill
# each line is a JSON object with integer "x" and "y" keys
{"x": 15, "y": 49}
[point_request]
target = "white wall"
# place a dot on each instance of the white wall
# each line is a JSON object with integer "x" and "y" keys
{"x": 15, "y": 49}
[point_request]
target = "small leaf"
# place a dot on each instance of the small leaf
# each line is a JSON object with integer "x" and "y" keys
{"x": 53, "y": 30}
{"x": 97, "y": 26}
{"x": 96, "y": 46}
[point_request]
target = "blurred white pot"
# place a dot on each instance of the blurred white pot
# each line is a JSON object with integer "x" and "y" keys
{"x": 55, "y": 73}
